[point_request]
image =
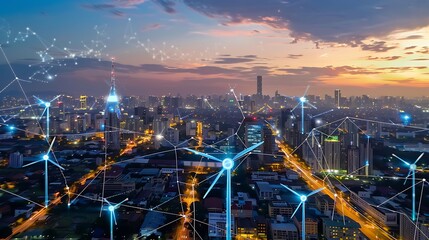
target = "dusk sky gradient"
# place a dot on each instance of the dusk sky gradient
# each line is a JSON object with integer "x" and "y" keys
{"x": 375, "y": 47}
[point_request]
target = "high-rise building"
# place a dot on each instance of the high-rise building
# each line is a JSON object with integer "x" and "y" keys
{"x": 83, "y": 103}
{"x": 338, "y": 98}
{"x": 353, "y": 160}
{"x": 259, "y": 85}
{"x": 332, "y": 150}
{"x": 366, "y": 157}
{"x": 191, "y": 128}
{"x": 112, "y": 115}
{"x": 407, "y": 228}
{"x": 15, "y": 160}
{"x": 254, "y": 134}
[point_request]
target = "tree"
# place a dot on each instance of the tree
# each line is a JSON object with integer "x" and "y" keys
{"x": 50, "y": 233}
{"x": 5, "y": 232}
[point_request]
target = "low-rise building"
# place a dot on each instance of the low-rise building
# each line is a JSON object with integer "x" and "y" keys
{"x": 340, "y": 228}
{"x": 282, "y": 231}
{"x": 264, "y": 191}
{"x": 280, "y": 208}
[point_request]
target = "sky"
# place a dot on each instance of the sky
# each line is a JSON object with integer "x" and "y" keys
{"x": 374, "y": 47}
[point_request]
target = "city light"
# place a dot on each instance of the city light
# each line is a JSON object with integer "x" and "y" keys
{"x": 412, "y": 173}
{"x": 302, "y": 101}
{"x": 303, "y": 199}
{"x": 46, "y": 159}
{"x": 227, "y": 165}
{"x": 111, "y": 209}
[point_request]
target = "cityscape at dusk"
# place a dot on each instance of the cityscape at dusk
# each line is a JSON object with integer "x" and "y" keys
{"x": 214, "y": 119}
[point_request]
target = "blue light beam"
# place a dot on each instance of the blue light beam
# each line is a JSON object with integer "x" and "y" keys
{"x": 412, "y": 173}
{"x": 302, "y": 101}
{"x": 227, "y": 165}
{"x": 303, "y": 199}
{"x": 111, "y": 209}
{"x": 46, "y": 159}
{"x": 47, "y": 105}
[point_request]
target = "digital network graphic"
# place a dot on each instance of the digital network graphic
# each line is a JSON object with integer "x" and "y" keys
{"x": 317, "y": 133}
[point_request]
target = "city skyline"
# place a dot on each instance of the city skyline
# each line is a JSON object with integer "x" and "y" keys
{"x": 174, "y": 47}
{"x": 214, "y": 119}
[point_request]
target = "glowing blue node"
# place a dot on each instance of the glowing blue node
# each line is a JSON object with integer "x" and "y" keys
{"x": 303, "y": 198}
{"x": 47, "y": 104}
{"x": 112, "y": 98}
{"x": 302, "y": 99}
{"x": 111, "y": 208}
{"x": 45, "y": 157}
{"x": 413, "y": 167}
{"x": 11, "y": 127}
{"x": 227, "y": 163}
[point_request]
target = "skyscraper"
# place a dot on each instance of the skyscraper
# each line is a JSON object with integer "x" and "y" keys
{"x": 83, "y": 103}
{"x": 337, "y": 98}
{"x": 15, "y": 160}
{"x": 259, "y": 85}
{"x": 332, "y": 150}
{"x": 112, "y": 115}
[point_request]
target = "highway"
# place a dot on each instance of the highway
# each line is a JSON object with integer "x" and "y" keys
{"x": 34, "y": 218}
{"x": 371, "y": 229}
{"x": 189, "y": 197}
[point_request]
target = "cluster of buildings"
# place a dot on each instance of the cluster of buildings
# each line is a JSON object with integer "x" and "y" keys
{"x": 261, "y": 207}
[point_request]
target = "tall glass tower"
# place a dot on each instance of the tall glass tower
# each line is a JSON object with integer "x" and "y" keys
{"x": 112, "y": 115}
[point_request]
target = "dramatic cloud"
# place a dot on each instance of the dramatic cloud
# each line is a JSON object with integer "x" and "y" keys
{"x": 233, "y": 60}
{"x": 390, "y": 58}
{"x": 327, "y": 71}
{"x": 330, "y": 20}
{"x": 410, "y": 47}
{"x": 294, "y": 56}
{"x": 424, "y": 50}
{"x": 412, "y": 37}
{"x": 152, "y": 27}
{"x": 167, "y": 5}
{"x": 111, "y": 8}
{"x": 377, "y": 46}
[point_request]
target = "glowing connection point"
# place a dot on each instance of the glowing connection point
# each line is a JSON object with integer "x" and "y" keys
{"x": 302, "y": 99}
{"x": 424, "y": 180}
{"x": 45, "y": 157}
{"x": 303, "y": 198}
{"x": 159, "y": 137}
{"x": 227, "y": 163}
{"x": 413, "y": 167}
{"x": 335, "y": 195}
{"x": 112, "y": 98}
{"x": 47, "y": 104}
{"x": 111, "y": 208}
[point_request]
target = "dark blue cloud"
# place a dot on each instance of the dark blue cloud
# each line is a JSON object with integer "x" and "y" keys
{"x": 328, "y": 20}
{"x": 376, "y": 46}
